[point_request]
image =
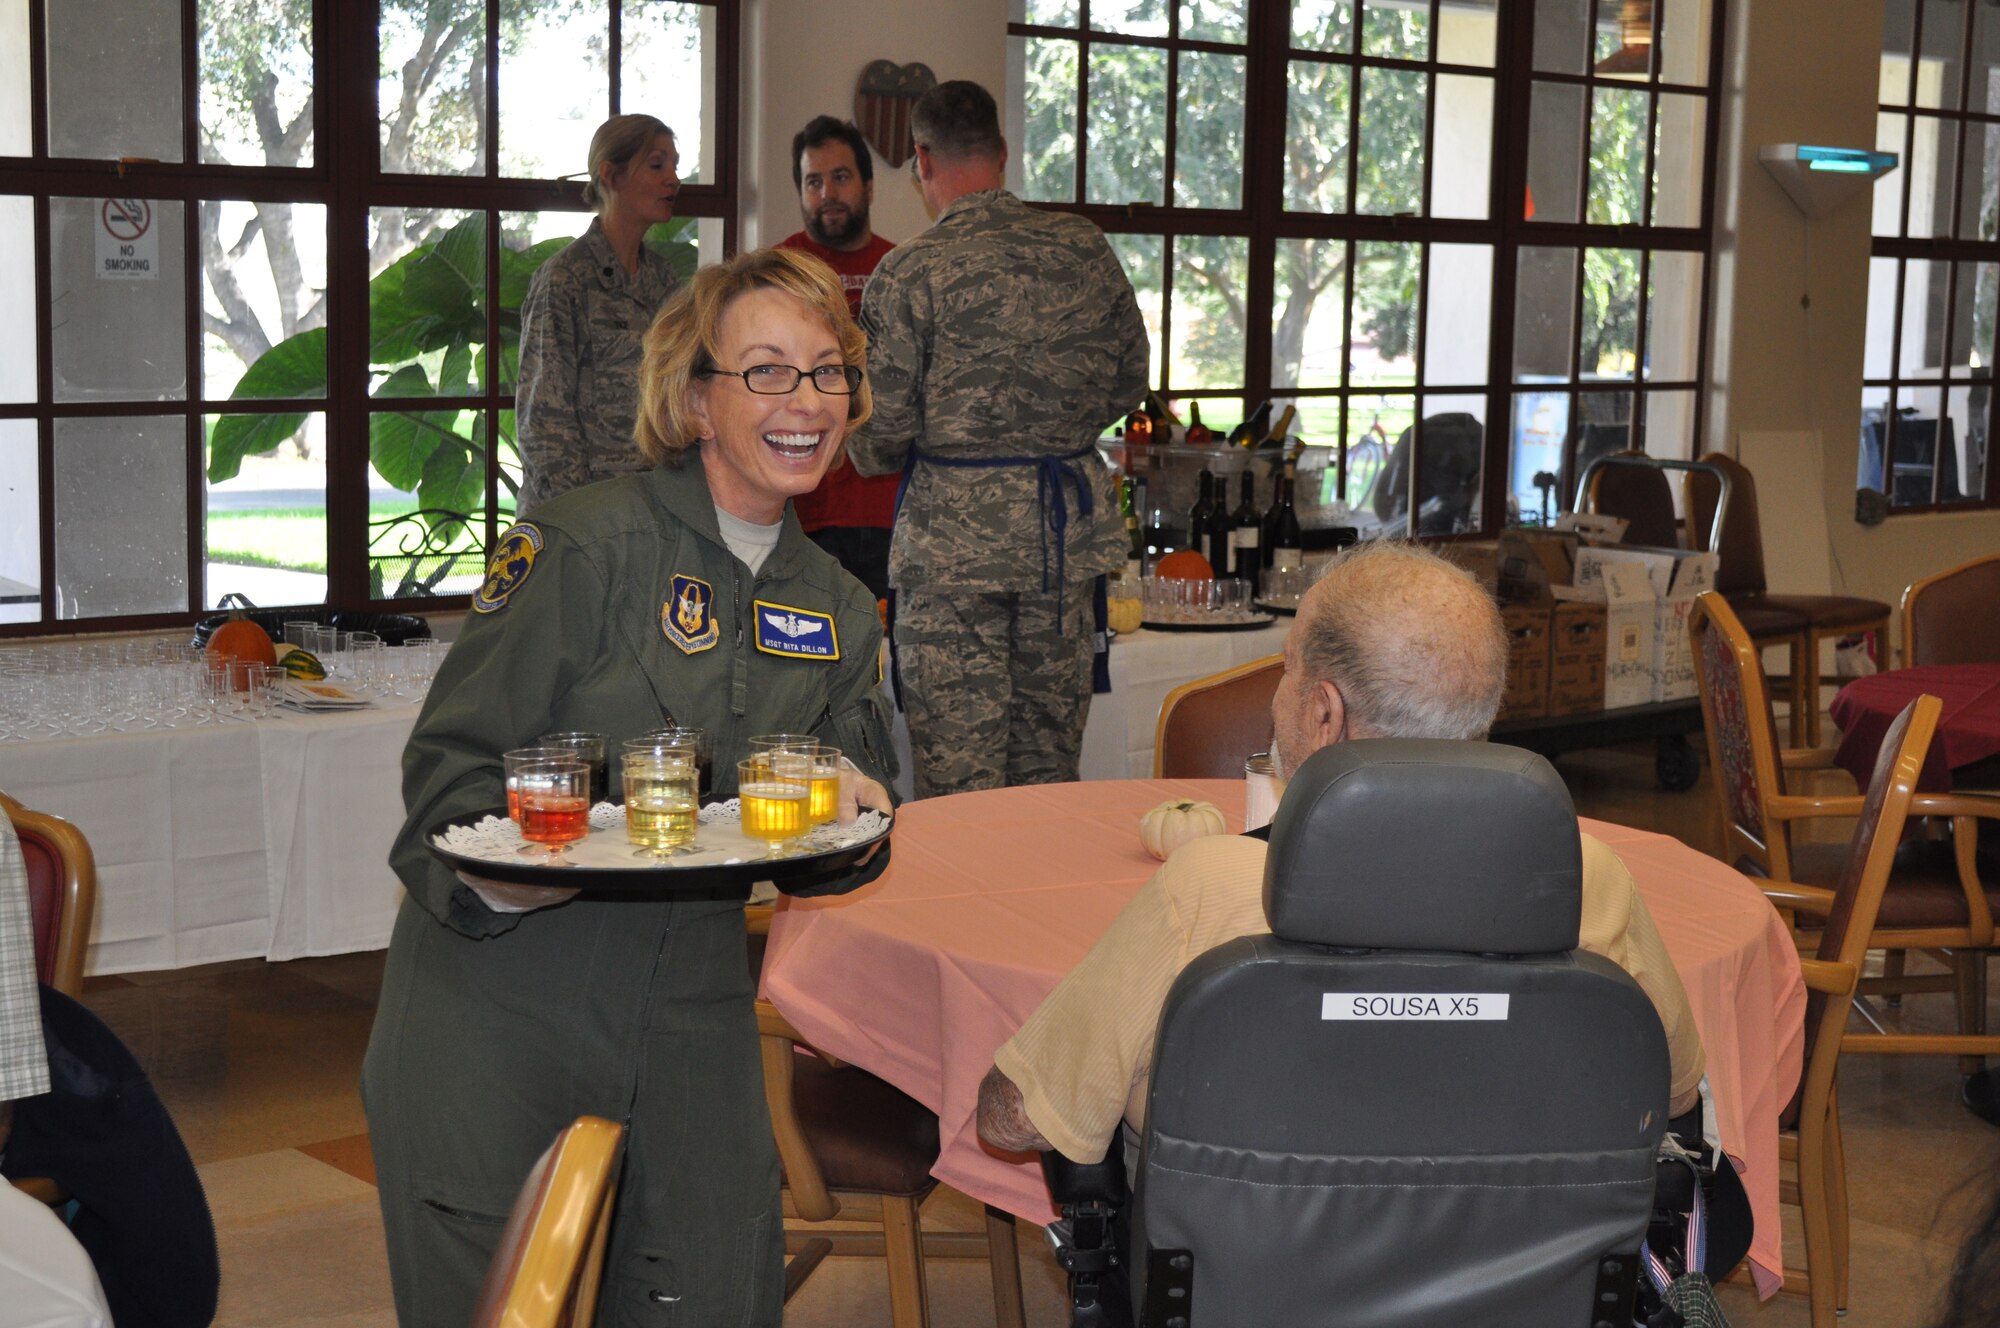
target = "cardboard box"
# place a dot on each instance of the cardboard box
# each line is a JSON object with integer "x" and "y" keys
{"x": 1628, "y": 634}
{"x": 1481, "y": 558}
{"x": 1536, "y": 566}
{"x": 1676, "y": 577}
{"x": 1577, "y": 634}
{"x": 1527, "y": 693}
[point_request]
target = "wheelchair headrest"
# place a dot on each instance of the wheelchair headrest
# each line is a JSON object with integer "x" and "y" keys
{"x": 1419, "y": 844}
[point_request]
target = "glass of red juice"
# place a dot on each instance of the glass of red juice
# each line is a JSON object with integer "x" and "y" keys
{"x": 554, "y": 799}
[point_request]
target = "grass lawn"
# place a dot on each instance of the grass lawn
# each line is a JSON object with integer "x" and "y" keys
{"x": 294, "y": 538}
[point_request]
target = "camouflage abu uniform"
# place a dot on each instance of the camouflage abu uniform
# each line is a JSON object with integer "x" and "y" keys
{"x": 1002, "y": 341}
{"x": 579, "y": 389}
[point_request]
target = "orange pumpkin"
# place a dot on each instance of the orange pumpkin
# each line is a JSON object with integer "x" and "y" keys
{"x": 1184, "y": 565}
{"x": 240, "y": 639}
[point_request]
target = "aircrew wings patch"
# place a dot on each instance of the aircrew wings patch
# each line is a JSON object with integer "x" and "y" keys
{"x": 513, "y": 558}
{"x": 688, "y": 617}
{"x": 799, "y": 633}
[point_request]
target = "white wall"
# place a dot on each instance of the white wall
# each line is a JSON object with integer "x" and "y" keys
{"x": 801, "y": 58}
{"x": 1778, "y": 366}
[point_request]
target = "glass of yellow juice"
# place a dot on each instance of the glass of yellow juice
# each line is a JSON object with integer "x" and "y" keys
{"x": 775, "y": 792}
{"x": 660, "y": 800}
{"x": 824, "y": 766}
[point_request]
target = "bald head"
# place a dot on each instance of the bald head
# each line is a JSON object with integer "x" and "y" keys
{"x": 1392, "y": 642}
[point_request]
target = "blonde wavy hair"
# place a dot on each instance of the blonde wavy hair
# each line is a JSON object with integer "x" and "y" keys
{"x": 684, "y": 339}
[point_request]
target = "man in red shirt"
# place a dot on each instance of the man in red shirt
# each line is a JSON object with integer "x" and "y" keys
{"x": 849, "y": 515}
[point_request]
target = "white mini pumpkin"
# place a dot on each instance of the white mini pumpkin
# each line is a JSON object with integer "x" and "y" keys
{"x": 1171, "y": 824}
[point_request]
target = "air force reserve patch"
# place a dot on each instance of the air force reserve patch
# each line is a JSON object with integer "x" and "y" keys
{"x": 688, "y": 616}
{"x": 513, "y": 558}
{"x": 800, "y": 633}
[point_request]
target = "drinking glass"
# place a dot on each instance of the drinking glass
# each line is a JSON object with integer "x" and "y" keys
{"x": 298, "y": 632}
{"x": 824, "y": 768}
{"x": 775, "y": 791}
{"x": 784, "y": 742}
{"x": 589, "y": 749}
{"x": 684, "y": 736}
{"x": 555, "y": 806}
{"x": 660, "y": 800}
{"x": 511, "y": 764}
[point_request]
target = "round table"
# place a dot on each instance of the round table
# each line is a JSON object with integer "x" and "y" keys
{"x": 994, "y": 896}
{"x": 1966, "y": 752}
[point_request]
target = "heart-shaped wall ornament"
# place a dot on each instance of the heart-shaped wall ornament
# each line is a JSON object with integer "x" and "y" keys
{"x": 883, "y": 98}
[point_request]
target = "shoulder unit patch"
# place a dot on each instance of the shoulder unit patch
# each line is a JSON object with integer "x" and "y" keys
{"x": 513, "y": 558}
{"x": 688, "y": 617}
{"x": 799, "y": 633}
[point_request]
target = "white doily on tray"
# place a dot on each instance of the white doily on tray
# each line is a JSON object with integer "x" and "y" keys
{"x": 719, "y": 840}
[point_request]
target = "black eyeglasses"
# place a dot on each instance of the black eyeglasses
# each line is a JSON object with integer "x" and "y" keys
{"x": 776, "y": 380}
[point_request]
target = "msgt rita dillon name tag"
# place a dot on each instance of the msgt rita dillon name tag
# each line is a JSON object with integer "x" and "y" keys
{"x": 1405, "y": 1006}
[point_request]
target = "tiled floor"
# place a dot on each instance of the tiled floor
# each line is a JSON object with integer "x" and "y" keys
{"x": 259, "y": 1064}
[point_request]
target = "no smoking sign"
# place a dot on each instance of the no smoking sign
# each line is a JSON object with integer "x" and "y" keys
{"x": 128, "y": 248}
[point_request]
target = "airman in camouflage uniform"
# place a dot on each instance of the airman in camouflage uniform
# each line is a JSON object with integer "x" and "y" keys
{"x": 1002, "y": 341}
{"x": 578, "y": 396}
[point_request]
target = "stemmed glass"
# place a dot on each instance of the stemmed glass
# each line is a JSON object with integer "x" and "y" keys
{"x": 775, "y": 793}
{"x": 555, "y": 807}
{"x": 660, "y": 801}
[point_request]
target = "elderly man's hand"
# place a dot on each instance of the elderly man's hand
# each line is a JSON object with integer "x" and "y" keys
{"x": 1003, "y": 1117}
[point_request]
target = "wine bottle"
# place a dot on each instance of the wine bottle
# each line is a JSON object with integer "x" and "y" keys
{"x": 1138, "y": 433}
{"x": 1160, "y": 538}
{"x": 1131, "y": 502}
{"x": 1198, "y": 434}
{"x": 1288, "y": 542}
{"x": 1246, "y": 535}
{"x": 1216, "y": 536}
{"x": 1251, "y": 432}
{"x": 1277, "y": 436}
{"x": 1204, "y": 503}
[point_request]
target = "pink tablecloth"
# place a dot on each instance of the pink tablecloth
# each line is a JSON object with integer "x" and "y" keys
{"x": 994, "y": 896}
{"x": 1968, "y": 727}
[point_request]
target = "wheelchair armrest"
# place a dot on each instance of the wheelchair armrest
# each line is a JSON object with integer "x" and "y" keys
{"x": 1075, "y": 1183}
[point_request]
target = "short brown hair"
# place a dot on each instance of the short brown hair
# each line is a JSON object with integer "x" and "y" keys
{"x": 617, "y": 141}
{"x": 956, "y": 121}
{"x": 682, "y": 342}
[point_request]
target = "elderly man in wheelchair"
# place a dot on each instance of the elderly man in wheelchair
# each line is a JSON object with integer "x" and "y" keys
{"x": 1407, "y": 1063}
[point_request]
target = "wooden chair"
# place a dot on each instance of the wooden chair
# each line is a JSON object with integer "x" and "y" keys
{"x": 1809, "y": 1127}
{"x": 62, "y": 893}
{"x": 1740, "y": 577}
{"x": 1949, "y": 618}
{"x": 1209, "y": 727}
{"x": 550, "y": 1261}
{"x": 857, "y": 1149}
{"x": 1934, "y": 902}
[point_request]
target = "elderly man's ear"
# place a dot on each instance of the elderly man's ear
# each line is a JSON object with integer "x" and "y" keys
{"x": 1325, "y": 716}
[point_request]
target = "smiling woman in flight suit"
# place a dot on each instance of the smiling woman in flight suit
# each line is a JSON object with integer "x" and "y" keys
{"x": 690, "y": 592}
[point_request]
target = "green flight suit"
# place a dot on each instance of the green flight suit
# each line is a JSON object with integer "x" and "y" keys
{"x": 495, "y": 1030}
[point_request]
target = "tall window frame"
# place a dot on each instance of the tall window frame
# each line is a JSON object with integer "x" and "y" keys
{"x": 342, "y": 191}
{"x": 1669, "y": 246}
{"x": 1934, "y": 267}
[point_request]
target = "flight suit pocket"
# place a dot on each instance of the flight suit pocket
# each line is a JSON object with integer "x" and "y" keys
{"x": 861, "y": 732}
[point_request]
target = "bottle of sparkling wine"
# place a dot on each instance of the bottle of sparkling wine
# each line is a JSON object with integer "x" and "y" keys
{"x": 1138, "y": 433}
{"x": 1246, "y": 534}
{"x": 1253, "y": 429}
{"x": 1198, "y": 434}
{"x": 1277, "y": 436}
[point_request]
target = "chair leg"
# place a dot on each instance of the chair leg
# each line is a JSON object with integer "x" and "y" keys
{"x": 1004, "y": 1256}
{"x": 1822, "y": 1281}
{"x": 1836, "y": 1190}
{"x": 903, "y": 1244}
{"x": 1969, "y": 966}
{"x": 1894, "y": 964}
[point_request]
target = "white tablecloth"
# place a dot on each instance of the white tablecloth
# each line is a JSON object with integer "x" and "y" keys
{"x": 230, "y": 841}
{"x": 1145, "y": 666}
